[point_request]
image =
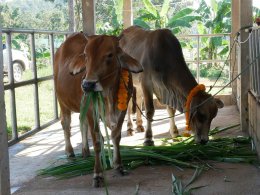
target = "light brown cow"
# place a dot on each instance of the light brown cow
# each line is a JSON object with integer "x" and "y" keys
{"x": 168, "y": 77}
{"x": 93, "y": 62}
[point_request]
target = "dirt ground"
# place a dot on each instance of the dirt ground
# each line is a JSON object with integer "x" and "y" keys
{"x": 44, "y": 148}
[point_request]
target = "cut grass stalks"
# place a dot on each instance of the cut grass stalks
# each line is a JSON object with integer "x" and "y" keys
{"x": 177, "y": 186}
{"x": 182, "y": 154}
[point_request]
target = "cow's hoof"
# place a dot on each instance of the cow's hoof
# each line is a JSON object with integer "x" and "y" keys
{"x": 70, "y": 155}
{"x": 148, "y": 143}
{"x": 130, "y": 132}
{"x": 98, "y": 182}
{"x": 175, "y": 134}
{"x": 140, "y": 128}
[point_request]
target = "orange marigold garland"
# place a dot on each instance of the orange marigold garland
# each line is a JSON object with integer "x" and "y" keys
{"x": 122, "y": 95}
{"x": 192, "y": 93}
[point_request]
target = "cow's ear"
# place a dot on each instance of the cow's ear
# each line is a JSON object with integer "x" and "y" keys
{"x": 219, "y": 103}
{"x": 77, "y": 65}
{"x": 129, "y": 63}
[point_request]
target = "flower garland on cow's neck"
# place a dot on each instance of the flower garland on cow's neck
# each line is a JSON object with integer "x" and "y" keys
{"x": 192, "y": 93}
{"x": 122, "y": 95}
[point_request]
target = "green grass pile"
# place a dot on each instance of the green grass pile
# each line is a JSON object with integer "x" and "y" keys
{"x": 181, "y": 154}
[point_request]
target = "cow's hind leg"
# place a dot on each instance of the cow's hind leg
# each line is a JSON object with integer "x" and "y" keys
{"x": 116, "y": 137}
{"x": 139, "y": 101}
{"x": 173, "y": 128}
{"x": 130, "y": 130}
{"x": 84, "y": 134}
{"x": 65, "y": 122}
{"x": 149, "y": 108}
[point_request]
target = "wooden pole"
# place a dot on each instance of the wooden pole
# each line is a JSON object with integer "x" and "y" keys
{"x": 4, "y": 158}
{"x": 127, "y": 13}
{"x": 89, "y": 17}
{"x": 234, "y": 60}
{"x": 71, "y": 16}
{"x": 245, "y": 20}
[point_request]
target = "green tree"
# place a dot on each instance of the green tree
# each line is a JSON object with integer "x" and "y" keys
{"x": 109, "y": 17}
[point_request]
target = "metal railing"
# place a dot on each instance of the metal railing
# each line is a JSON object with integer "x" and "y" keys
{"x": 198, "y": 61}
{"x": 12, "y": 85}
{"x": 254, "y": 52}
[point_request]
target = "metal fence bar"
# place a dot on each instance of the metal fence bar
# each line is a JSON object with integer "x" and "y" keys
{"x": 55, "y": 103}
{"x": 257, "y": 67}
{"x": 205, "y": 35}
{"x": 253, "y": 57}
{"x": 28, "y": 82}
{"x": 12, "y": 91}
{"x": 36, "y": 92}
{"x": 198, "y": 59}
{"x": 30, "y": 31}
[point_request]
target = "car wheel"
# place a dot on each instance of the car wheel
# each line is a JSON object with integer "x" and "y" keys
{"x": 18, "y": 71}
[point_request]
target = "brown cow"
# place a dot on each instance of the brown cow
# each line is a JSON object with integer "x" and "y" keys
{"x": 92, "y": 63}
{"x": 169, "y": 78}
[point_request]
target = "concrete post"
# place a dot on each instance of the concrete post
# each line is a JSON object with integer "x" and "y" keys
{"x": 234, "y": 60}
{"x": 4, "y": 158}
{"x": 89, "y": 17}
{"x": 245, "y": 20}
{"x": 127, "y": 13}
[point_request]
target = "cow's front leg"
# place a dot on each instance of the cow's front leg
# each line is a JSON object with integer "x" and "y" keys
{"x": 149, "y": 108}
{"x": 98, "y": 179}
{"x": 117, "y": 162}
{"x": 173, "y": 128}
{"x": 84, "y": 134}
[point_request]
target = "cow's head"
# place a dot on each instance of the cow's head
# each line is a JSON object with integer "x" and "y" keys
{"x": 103, "y": 60}
{"x": 203, "y": 109}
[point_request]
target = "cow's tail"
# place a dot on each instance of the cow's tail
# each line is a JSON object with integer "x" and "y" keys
{"x": 134, "y": 101}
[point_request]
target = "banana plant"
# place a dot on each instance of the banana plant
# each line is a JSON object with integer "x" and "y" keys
{"x": 152, "y": 18}
{"x": 115, "y": 15}
{"x": 216, "y": 18}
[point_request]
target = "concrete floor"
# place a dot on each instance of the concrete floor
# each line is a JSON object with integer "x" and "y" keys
{"x": 44, "y": 148}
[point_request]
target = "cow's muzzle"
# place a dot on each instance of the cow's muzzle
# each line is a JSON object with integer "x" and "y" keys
{"x": 89, "y": 86}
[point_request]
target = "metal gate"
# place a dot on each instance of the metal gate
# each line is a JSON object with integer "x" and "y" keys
{"x": 254, "y": 52}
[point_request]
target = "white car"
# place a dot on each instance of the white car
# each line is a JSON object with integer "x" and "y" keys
{"x": 20, "y": 63}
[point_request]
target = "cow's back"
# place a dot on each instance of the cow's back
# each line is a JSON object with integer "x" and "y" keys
{"x": 161, "y": 55}
{"x": 67, "y": 86}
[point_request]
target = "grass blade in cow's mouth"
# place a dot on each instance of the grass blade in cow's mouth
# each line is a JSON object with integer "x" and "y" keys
{"x": 181, "y": 154}
{"x": 98, "y": 106}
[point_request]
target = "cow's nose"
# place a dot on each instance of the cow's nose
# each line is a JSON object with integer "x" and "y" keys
{"x": 88, "y": 86}
{"x": 203, "y": 142}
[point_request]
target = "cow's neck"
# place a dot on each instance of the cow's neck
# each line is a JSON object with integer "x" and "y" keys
{"x": 186, "y": 82}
